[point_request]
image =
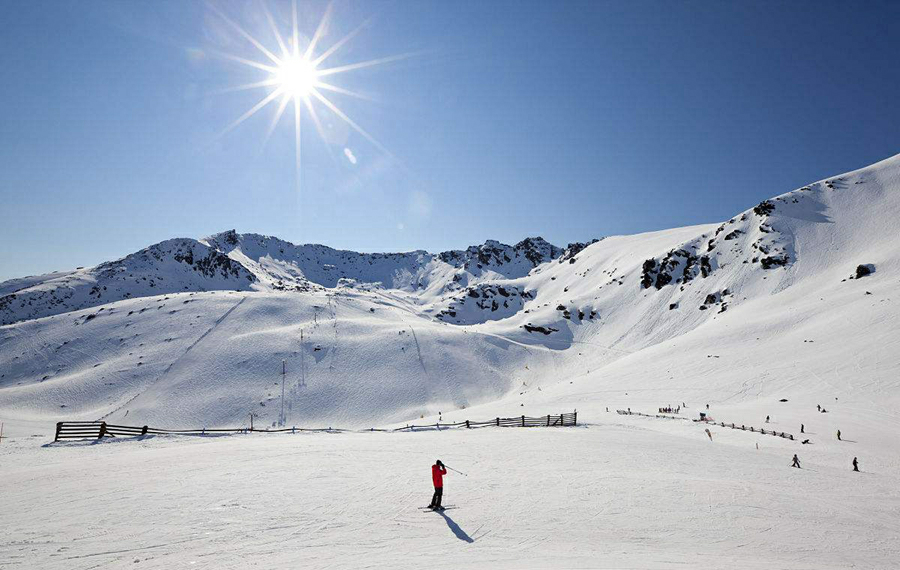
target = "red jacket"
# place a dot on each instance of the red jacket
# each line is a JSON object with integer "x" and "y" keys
{"x": 437, "y": 476}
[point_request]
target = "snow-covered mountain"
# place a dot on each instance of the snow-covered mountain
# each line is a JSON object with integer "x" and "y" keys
{"x": 192, "y": 332}
{"x": 229, "y": 261}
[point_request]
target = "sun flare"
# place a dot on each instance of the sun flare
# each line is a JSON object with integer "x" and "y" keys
{"x": 296, "y": 76}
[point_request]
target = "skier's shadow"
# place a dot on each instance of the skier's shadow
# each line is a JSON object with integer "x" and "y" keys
{"x": 460, "y": 533}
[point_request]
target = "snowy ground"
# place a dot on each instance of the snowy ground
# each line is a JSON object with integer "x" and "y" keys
{"x": 624, "y": 492}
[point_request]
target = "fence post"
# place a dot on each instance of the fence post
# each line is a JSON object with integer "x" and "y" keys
{"x": 498, "y": 422}
{"x": 102, "y": 430}
{"x": 548, "y": 420}
{"x": 523, "y": 421}
{"x": 58, "y": 429}
{"x": 576, "y": 417}
{"x": 144, "y": 430}
{"x": 467, "y": 423}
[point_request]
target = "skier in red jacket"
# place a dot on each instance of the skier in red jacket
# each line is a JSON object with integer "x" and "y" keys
{"x": 437, "y": 477}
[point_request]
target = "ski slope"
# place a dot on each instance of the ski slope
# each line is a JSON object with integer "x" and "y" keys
{"x": 770, "y": 313}
{"x": 614, "y": 494}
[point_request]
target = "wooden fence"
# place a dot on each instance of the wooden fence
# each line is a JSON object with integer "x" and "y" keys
{"x": 99, "y": 430}
{"x": 559, "y": 420}
{"x": 711, "y": 422}
{"x": 752, "y": 429}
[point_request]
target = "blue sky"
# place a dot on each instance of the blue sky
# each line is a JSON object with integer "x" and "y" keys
{"x": 510, "y": 119}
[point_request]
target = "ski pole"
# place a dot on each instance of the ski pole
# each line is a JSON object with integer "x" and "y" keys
{"x": 452, "y": 469}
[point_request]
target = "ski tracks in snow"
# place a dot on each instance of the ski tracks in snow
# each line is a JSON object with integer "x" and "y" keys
{"x": 168, "y": 369}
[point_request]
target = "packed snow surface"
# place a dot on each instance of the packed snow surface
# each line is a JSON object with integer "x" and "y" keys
{"x": 620, "y": 493}
{"x": 783, "y": 310}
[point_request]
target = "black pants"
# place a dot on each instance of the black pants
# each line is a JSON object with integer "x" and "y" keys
{"x": 436, "y": 498}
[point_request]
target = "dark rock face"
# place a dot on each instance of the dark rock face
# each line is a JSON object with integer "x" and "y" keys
{"x": 213, "y": 264}
{"x": 717, "y": 298}
{"x": 487, "y": 298}
{"x": 647, "y": 272}
{"x": 764, "y": 208}
{"x": 773, "y": 261}
{"x": 662, "y": 279}
{"x": 533, "y": 328}
{"x": 705, "y": 267}
{"x": 864, "y": 270}
{"x": 495, "y": 254}
{"x": 231, "y": 237}
{"x": 661, "y": 274}
{"x": 574, "y": 249}
{"x": 537, "y": 250}
{"x": 6, "y": 301}
{"x": 216, "y": 262}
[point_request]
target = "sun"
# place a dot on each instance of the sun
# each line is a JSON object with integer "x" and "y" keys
{"x": 298, "y": 77}
{"x": 295, "y": 76}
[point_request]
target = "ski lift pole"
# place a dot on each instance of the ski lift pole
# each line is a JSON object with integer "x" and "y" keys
{"x": 283, "y": 377}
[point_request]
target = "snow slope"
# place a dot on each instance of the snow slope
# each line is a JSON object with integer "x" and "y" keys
{"x": 388, "y": 337}
{"x": 768, "y": 314}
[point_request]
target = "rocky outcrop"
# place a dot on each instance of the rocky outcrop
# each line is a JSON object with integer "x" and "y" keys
{"x": 493, "y": 255}
{"x": 484, "y": 302}
{"x": 864, "y": 270}
{"x": 680, "y": 266}
{"x": 574, "y": 249}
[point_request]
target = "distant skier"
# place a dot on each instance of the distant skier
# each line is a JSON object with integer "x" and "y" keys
{"x": 818, "y": 407}
{"x": 839, "y": 435}
{"x": 855, "y": 465}
{"x": 437, "y": 477}
{"x": 767, "y": 419}
{"x": 796, "y": 462}
{"x": 802, "y": 428}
